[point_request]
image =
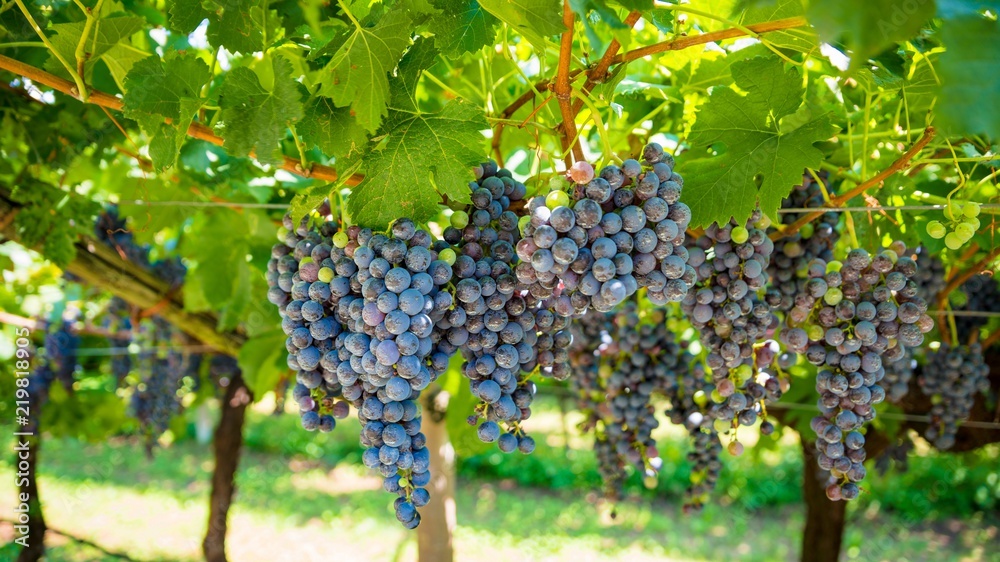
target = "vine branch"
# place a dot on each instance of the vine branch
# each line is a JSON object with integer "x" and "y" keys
{"x": 901, "y": 163}
{"x": 564, "y": 91}
{"x": 599, "y": 71}
{"x": 195, "y": 130}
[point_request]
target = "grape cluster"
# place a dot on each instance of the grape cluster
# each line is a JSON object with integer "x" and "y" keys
{"x": 510, "y": 319}
{"x": 731, "y": 263}
{"x": 952, "y": 378}
{"x": 118, "y": 321}
{"x": 391, "y": 338}
{"x": 622, "y": 230}
{"x": 157, "y": 399}
{"x": 308, "y": 276}
{"x": 983, "y": 295}
{"x": 858, "y": 316}
{"x": 792, "y": 254}
{"x": 60, "y": 349}
{"x": 623, "y": 359}
{"x": 962, "y": 221}
{"x": 898, "y": 375}
{"x": 931, "y": 276}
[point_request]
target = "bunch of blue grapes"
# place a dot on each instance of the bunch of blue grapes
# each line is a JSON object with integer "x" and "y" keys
{"x": 624, "y": 359}
{"x": 731, "y": 262}
{"x": 61, "y": 352}
{"x": 391, "y": 337}
{"x": 931, "y": 277}
{"x": 952, "y": 378}
{"x": 863, "y": 313}
{"x": 620, "y": 231}
{"x": 112, "y": 230}
{"x": 508, "y": 320}
{"x": 310, "y": 274}
{"x": 982, "y": 294}
{"x": 898, "y": 375}
{"x": 792, "y": 254}
{"x": 164, "y": 365}
{"x": 118, "y": 321}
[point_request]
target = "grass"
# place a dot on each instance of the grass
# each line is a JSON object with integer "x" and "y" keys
{"x": 301, "y": 497}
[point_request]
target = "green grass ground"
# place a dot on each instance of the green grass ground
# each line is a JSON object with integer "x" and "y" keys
{"x": 302, "y": 498}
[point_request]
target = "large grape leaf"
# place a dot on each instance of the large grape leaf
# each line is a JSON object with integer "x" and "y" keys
{"x": 233, "y": 24}
{"x": 358, "y": 73}
{"x": 868, "y": 27}
{"x": 759, "y": 147}
{"x": 108, "y": 32}
{"x": 165, "y": 89}
{"x": 332, "y": 129}
{"x": 403, "y": 87}
{"x": 426, "y": 156}
{"x": 255, "y": 118}
{"x": 801, "y": 39}
{"x": 533, "y": 19}
{"x": 970, "y": 84}
{"x": 462, "y": 26}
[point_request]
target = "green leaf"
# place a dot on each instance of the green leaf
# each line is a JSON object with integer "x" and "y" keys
{"x": 462, "y": 26}
{"x": 332, "y": 129}
{"x": 403, "y": 88}
{"x": 759, "y": 146}
{"x": 802, "y": 39}
{"x": 165, "y": 89}
{"x": 262, "y": 362}
{"x": 357, "y": 75}
{"x": 533, "y": 19}
{"x": 868, "y": 27}
{"x": 106, "y": 34}
{"x": 236, "y": 25}
{"x": 425, "y": 157}
{"x": 255, "y": 118}
{"x": 306, "y": 201}
{"x": 186, "y": 15}
{"x": 970, "y": 86}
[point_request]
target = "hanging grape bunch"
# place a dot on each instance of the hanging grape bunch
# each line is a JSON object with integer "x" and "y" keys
{"x": 616, "y": 233}
{"x": 793, "y": 253}
{"x": 866, "y": 312}
{"x": 505, "y": 321}
{"x": 960, "y": 224}
{"x": 725, "y": 306}
{"x": 952, "y": 378}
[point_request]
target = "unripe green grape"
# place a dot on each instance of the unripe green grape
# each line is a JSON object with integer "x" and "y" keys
{"x": 815, "y": 332}
{"x": 953, "y": 241}
{"x": 523, "y": 222}
{"x": 834, "y": 265}
{"x": 722, "y": 426}
{"x": 460, "y": 219}
{"x": 892, "y": 255}
{"x": 763, "y": 223}
{"x": 305, "y": 260}
{"x": 448, "y": 256}
{"x": 833, "y": 296}
{"x": 807, "y": 230}
{"x": 743, "y": 373}
{"x": 557, "y": 199}
{"x": 974, "y": 222}
{"x": 340, "y": 239}
{"x": 717, "y": 397}
{"x": 325, "y": 274}
{"x": 965, "y": 231}
{"x": 700, "y": 398}
{"x": 971, "y": 209}
{"x": 936, "y": 230}
{"x": 953, "y": 210}
{"x": 282, "y": 233}
{"x": 740, "y": 234}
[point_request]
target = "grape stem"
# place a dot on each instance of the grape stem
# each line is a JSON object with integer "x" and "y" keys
{"x": 195, "y": 130}
{"x": 900, "y": 164}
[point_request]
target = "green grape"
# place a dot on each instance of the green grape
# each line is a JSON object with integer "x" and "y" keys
{"x": 305, "y": 260}
{"x": 965, "y": 231}
{"x": 807, "y": 230}
{"x": 953, "y": 241}
{"x": 971, "y": 210}
{"x": 936, "y": 230}
{"x": 448, "y": 256}
{"x": 557, "y": 199}
{"x": 953, "y": 210}
{"x": 282, "y": 233}
{"x": 325, "y": 274}
{"x": 460, "y": 219}
{"x": 815, "y": 332}
{"x": 340, "y": 239}
{"x": 740, "y": 234}
{"x": 722, "y": 426}
{"x": 833, "y": 296}
{"x": 523, "y": 222}
{"x": 834, "y": 265}
{"x": 717, "y": 397}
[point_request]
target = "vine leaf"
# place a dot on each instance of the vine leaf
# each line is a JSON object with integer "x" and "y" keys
{"x": 106, "y": 36}
{"x": 868, "y": 27}
{"x": 233, "y": 24}
{"x": 358, "y": 73}
{"x": 534, "y": 19}
{"x": 462, "y": 26}
{"x": 332, "y": 129}
{"x": 262, "y": 361}
{"x": 760, "y": 148}
{"x": 425, "y": 156}
{"x": 165, "y": 89}
{"x": 969, "y": 81}
{"x": 255, "y": 118}
{"x": 403, "y": 88}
